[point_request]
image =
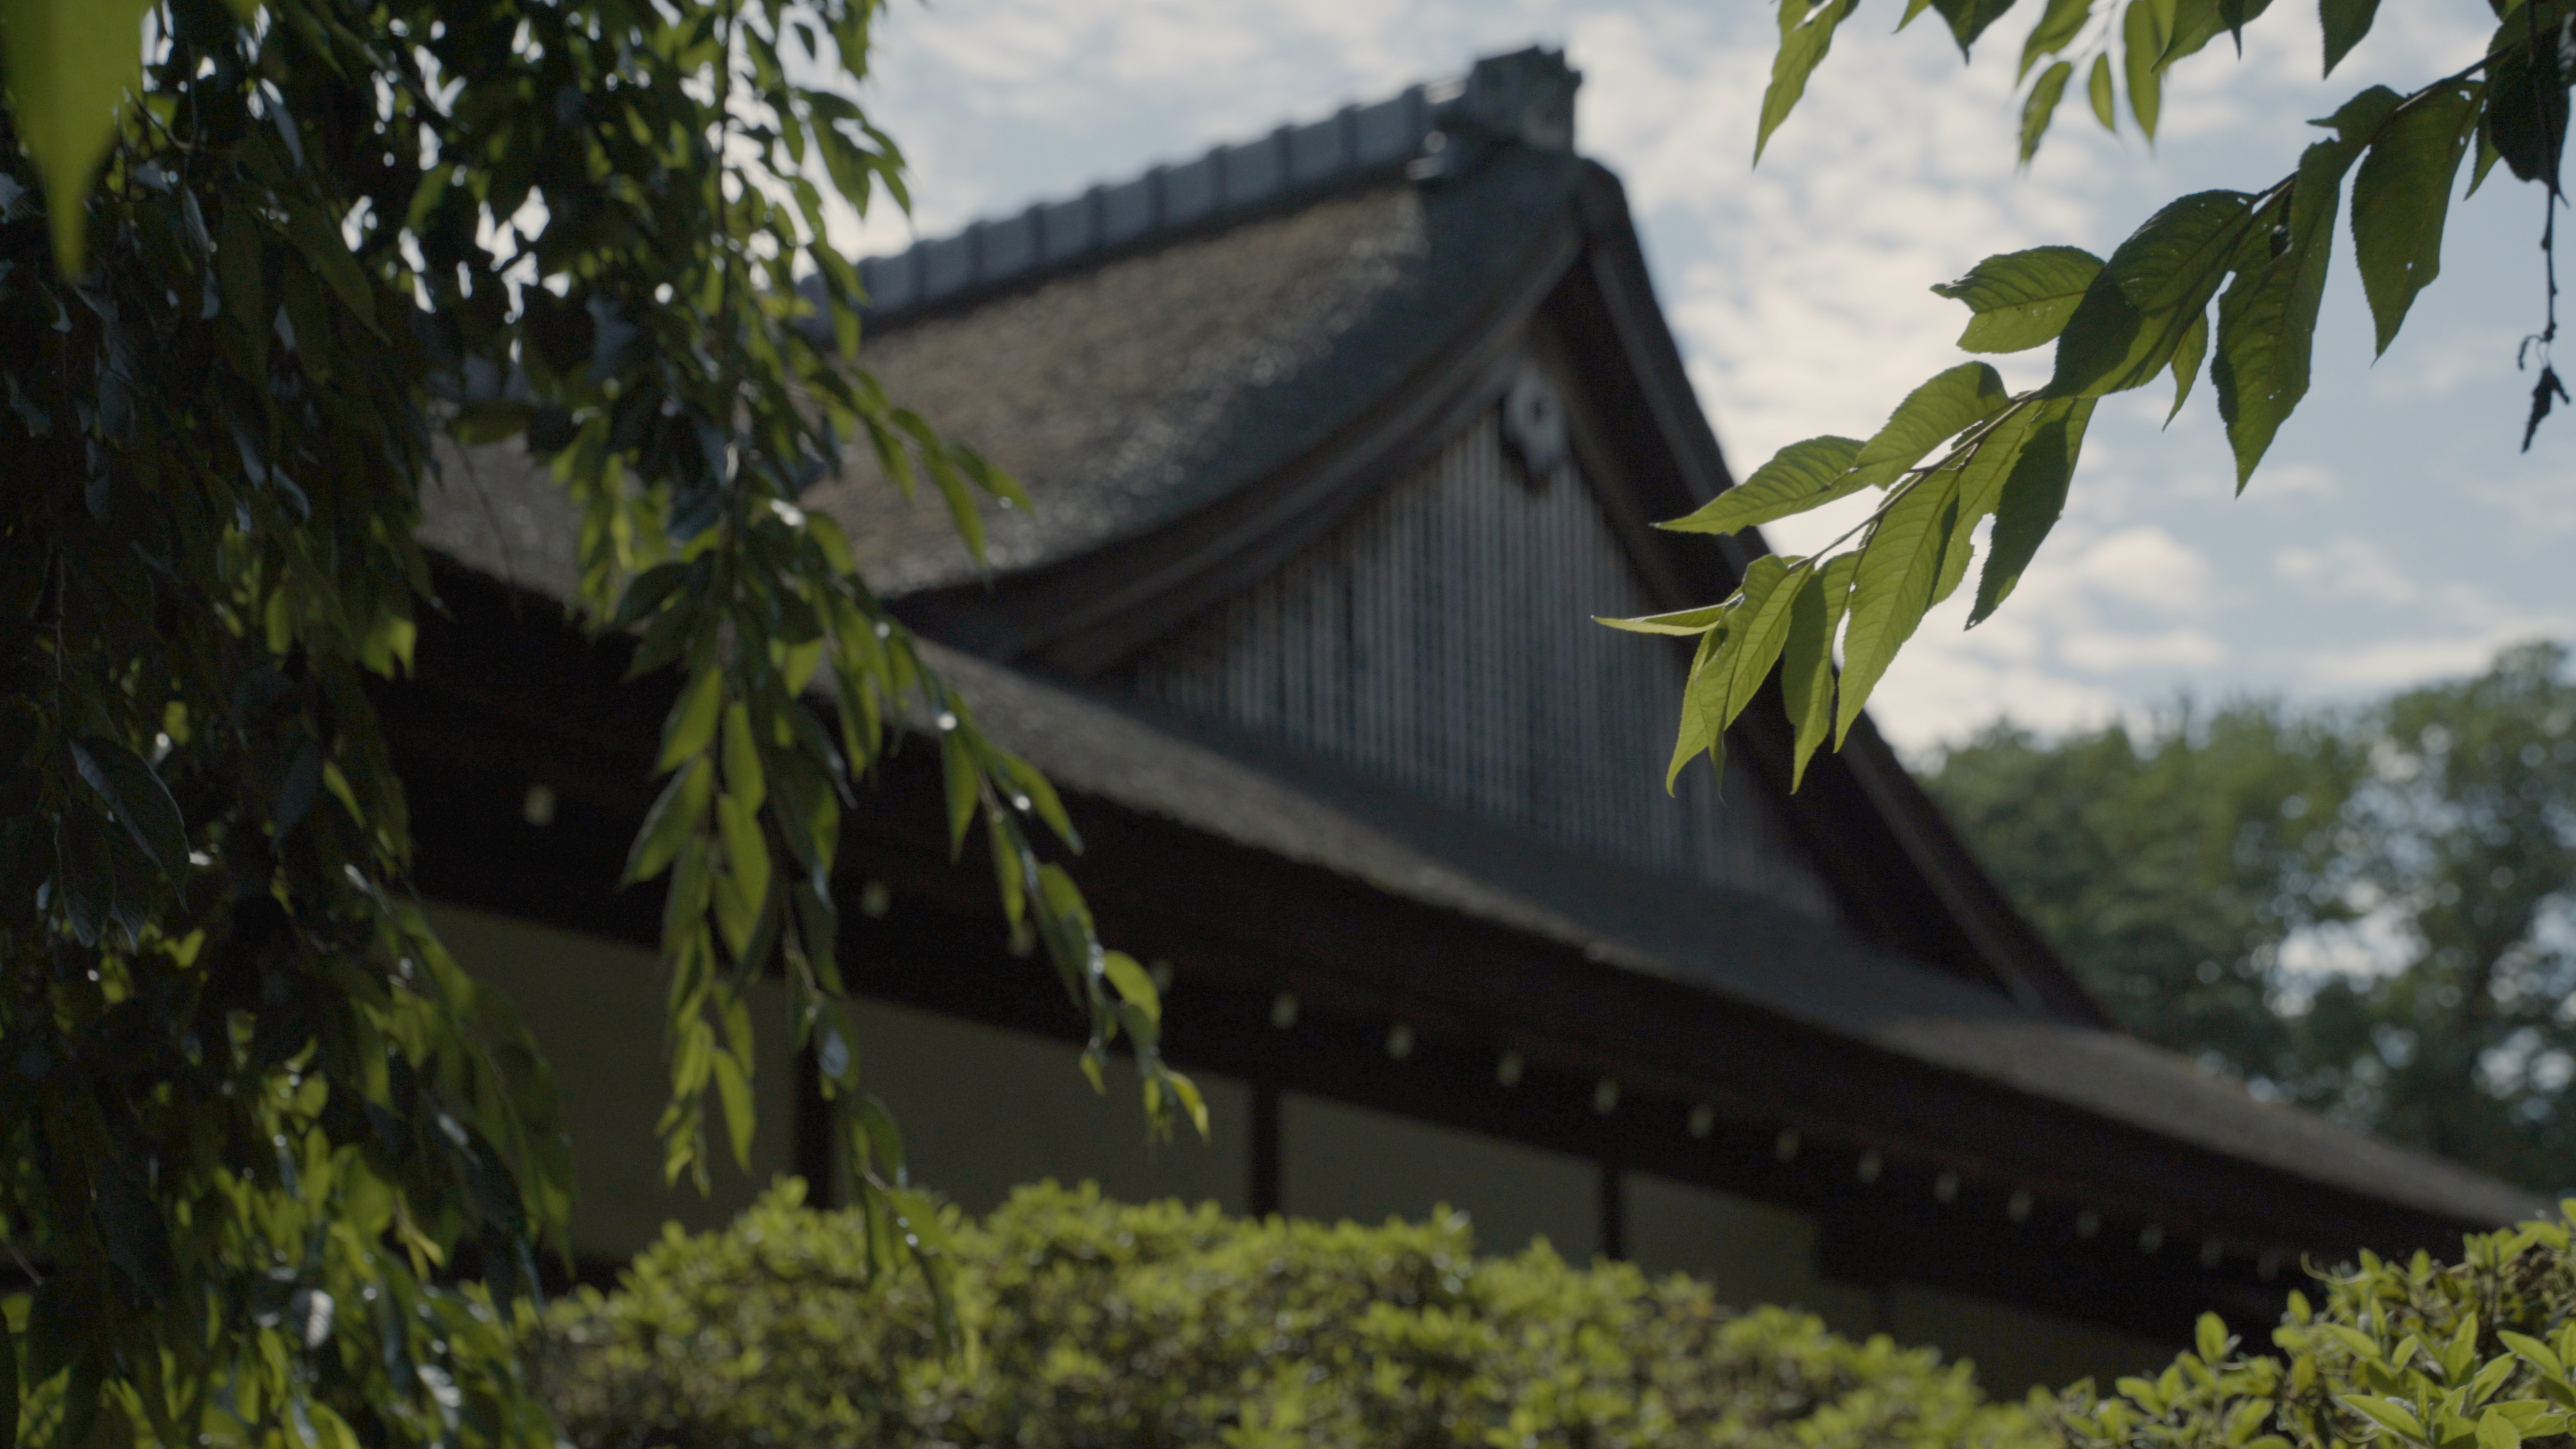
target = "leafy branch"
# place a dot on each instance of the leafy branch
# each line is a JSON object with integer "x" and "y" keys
{"x": 1961, "y": 449}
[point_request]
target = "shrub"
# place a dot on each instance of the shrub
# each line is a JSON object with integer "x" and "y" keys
{"x": 2472, "y": 1355}
{"x": 1101, "y": 1324}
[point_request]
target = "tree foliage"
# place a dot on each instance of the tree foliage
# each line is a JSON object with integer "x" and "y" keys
{"x": 273, "y": 1163}
{"x": 2226, "y": 282}
{"x": 2206, "y": 876}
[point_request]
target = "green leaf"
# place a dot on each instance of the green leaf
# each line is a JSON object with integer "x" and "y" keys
{"x": 1893, "y": 586}
{"x": 1756, "y": 633}
{"x": 692, "y": 721}
{"x": 882, "y": 1139}
{"x": 2137, "y": 311}
{"x": 2058, "y": 26}
{"x": 733, "y": 1090}
{"x": 2496, "y": 1431}
{"x": 1798, "y": 477}
{"x": 1134, "y": 986}
{"x": 1807, "y": 657}
{"x": 2022, "y": 299}
{"x": 2033, "y": 496}
{"x": 1939, "y": 410}
{"x": 957, "y": 767}
{"x": 322, "y": 245}
{"x": 2267, "y": 320}
{"x": 743, "y": 777}
{"x": 747, "y": 861}
{"x": 2389, "y": 1414}
{"x": 137, "y": 799}
{"x": 2041, "y": 108}
{"x": 2400, "y": 198}
{"x": 2346, "y": 22}
{"x": 2146, "y": 29}
{"x": 1805, "y": 38}
{"x": 2186, "y": 363}
{"x": 1982, "y": 475}
{"x": 1731, "y": 664}
{"x": 2198, "y": 22}
{"x": 2097, "y": 89}
{"x": 2526, "y": 115}
{"x": 2532, "y": 1350}
{"x": 1969, "y": 18}
{"x": 2234, "y": 13}
{"x": 674, "y": 817}
{"x": 1689, "y": 623}
{"x": 2209, "y": 1339}
{"x": 71, "y": 64}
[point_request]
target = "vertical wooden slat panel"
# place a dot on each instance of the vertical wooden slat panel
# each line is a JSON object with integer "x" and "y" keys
{"x": 1442, "y": 639}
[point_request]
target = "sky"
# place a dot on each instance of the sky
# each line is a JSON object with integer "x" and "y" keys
{"x": 2394, "y": 534}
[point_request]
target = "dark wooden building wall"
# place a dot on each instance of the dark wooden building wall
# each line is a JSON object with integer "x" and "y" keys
{"x": 1442, "y": 639}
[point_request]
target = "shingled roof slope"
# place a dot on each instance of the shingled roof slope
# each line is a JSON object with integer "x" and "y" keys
{"x": 1132, "y": 384}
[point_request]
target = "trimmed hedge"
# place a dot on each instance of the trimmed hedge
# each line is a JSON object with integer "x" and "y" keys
{"x": 1097, "y": 1324}
{"x": 1102, "y": 1324}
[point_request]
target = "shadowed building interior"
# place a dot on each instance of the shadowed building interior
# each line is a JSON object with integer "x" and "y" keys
{"x": 1340, "y": 439}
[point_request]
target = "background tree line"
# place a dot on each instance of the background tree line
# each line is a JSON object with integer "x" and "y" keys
{"x": 2360, "y": 909}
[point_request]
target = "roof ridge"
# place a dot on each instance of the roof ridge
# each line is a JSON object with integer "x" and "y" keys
{"x": 1525, "y": 97}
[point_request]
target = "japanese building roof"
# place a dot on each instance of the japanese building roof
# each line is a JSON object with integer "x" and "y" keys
{"x": 1198, "y": 371}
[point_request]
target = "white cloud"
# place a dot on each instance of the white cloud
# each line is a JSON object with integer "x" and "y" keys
{"x": 2107, "y": 651}
{"x": 2148, "y": 567}
{"x": 2346, "y": 567}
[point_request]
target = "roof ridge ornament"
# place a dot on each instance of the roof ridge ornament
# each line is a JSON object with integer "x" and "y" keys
{"x": 1523, "y": 98}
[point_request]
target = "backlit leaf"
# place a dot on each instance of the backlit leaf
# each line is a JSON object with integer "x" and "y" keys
{"x": 1939, "y": 410}
{"x": 2097, "y": 89}
{"x": 1798, "y": 477}
{"x": 2146, "y": 28}
{"x": 2021, "y": 299}
{"x": 1689, "y": 623}
{"x": 2401, "y": 197}
{"x": 2058, "y": 26}
{"x": 2033, "y": 496}
{"x": 1805, "y": 37}
{"x": 1893, "y": 586}
{"x": 2267, "y": 319}
{"x": 1807, "y": 657}
{"x": 1731, "y": 665}
{"x": 2186, "y": 363}
{"x": 2134, "y": 316}
{"x": 2040, "y": 107}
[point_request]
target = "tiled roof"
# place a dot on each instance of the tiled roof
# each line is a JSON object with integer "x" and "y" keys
{"x": 1526, "y": 96}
